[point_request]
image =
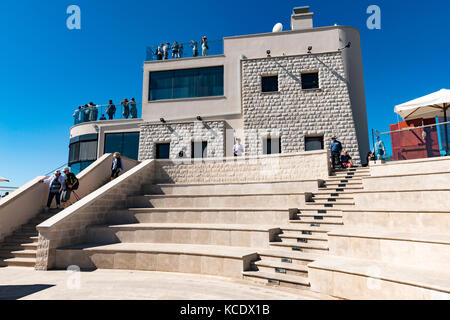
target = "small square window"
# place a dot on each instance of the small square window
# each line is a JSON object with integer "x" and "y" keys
{"x": 272, "y": 146}
{"x": 310, "y": 80}
{"x": 162, "y": 150}
{"x": 269, "y": 83}
{"x": 199, "y": 149}
{"x": 314, "y": 143}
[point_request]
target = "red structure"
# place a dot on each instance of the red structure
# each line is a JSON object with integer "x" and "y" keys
{"x": 414, "y": 144}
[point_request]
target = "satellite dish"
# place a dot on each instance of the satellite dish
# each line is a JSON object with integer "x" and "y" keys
{"x": 278, "y": 27}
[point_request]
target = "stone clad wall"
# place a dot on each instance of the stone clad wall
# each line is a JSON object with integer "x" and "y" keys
{"x": 180, "y": 136}
{"x": 293, "y": 113}
{"x": 303, "y": 166}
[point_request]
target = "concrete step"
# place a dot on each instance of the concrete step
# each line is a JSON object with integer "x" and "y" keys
{"x": 293, "y": 257}
{"x": 283, "y": 280}
{"x": 17, "y": 254}
{"x": 257, "y": 216}
{"x": 325, "y": 204}
{"x": 21, "y": 239}
{"x": 267, "y": 266}
{"x": 331, "y": 194}
{"x": 18, "y": 262}
{"x": 301, "y": 247}
{"x": 18, "y": 246}
{"x": 318, "y": 223}
{"x": 303, "y": 239}
{"x": 320, "y": 214}
{"x": 201, "y": 259}
{"x": 306, "y": 228}
{"x": 282, "y": 201}
{"x": 345, "y": 190}
{"x": 323, "y": 198}
{"x": 322, "y": 219}
{"x": 185, "y": 233}
{"x": 369, "y": 279}
{"x": 273, "y": 187}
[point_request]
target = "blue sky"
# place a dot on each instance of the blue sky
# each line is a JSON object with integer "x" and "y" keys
{"x": 48, "y": 70}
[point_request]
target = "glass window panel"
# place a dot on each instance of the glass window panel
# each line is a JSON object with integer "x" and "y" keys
{"x": 113, "y": 142}
{"x": 130, "y": 145}
{"x": 199, "y": 149}
{"x": 161, "y": 85}
{"x": 314, "y": 143}
{"x": 310, "y": 80}
{"x": 269, "y": 84}
{"x": 88, "y": 151}
{"x": 163, "y": 151}
{"x": 74, "y": 152}
{"x": 272, "y": 146}
{"x": 185, "y": 83}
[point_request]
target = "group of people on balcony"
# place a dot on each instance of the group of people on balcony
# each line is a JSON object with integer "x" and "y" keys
{"x": 162, "y": 52}
{"x": 89, "y": 112}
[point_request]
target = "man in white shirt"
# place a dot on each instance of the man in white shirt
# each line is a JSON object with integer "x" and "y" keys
{"x": 238, "y": 148}
{"x": 54, "y": 188}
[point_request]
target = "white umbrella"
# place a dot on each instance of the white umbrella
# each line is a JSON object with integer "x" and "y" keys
{"x": 3, "y": 179}
{"x": 432, "y": 105}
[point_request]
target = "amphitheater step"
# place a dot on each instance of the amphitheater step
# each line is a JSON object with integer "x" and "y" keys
{"x": 388, "y": 281}
{"x": 18, "y": 262}
{"x": 256, "y": 216}
{"x": 17, "y": 254}
{"x": 187, "y": 258}
{"x": 282, "y": 201}
{"x": 214, "y": 234}
{"x": 280, "y": 279}
{"x": 294, "y": 257}
{"x": 311, "y": 239}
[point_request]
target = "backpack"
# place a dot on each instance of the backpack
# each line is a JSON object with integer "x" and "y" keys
{"x": 77, "y": 184}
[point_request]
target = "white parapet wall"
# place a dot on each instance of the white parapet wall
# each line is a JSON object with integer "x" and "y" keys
{"x": 29, "y": 200}
{"x": 429, "y": 165}
{"x": 311, "y": 165}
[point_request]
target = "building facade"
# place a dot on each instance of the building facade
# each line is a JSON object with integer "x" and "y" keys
{"x": 279, "y": 92}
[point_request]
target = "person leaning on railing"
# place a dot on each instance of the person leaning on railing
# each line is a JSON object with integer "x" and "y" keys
{"x": 133, "y": 109}
{"x": 205, "y": 46}
{"x": 126, "y": 108}
{"x": 93, "y": 112}
{"x": 194, "y": 45}
{"x": 86, "y": 113}
{"x": 111, "y": 110}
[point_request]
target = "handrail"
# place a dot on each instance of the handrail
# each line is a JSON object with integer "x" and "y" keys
{"x": 414, "y": 128}
{"x": 62, "y": 166}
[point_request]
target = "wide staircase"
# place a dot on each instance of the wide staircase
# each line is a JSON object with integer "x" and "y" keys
{"x": 19, "y": 249}
{"x": 304, "y": 239}
{"x": 264, "y": 232}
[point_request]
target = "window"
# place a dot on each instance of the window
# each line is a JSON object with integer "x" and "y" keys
{"x": 269, "y": 83}
{"x": 188, "y": 83}
{"x": 199, "y": 149}
{"x": 314, "y": 143}
{"x": 76, "y": 168}
{"x": 126, "y": 143}
{"x": 310, "y": 80}
{"x": 83, "y": 148}
{"x": 271, "y": 146}
{"x": 162, "y": 150}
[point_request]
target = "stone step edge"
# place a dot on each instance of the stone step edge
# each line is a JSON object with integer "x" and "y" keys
{"x": 281, "y": 265}
{"x": 299, "y": 245}
{"x": 183, "y": 184}
{"x": 187, "y": 226}
{"x": 278, "y": 276}
{"x": 163, "y": 196}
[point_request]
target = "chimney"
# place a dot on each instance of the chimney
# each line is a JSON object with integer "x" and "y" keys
{"x": 302, "y": 18}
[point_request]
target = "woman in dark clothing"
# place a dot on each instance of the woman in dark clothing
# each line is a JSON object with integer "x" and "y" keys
{"x": 117, "y": 166}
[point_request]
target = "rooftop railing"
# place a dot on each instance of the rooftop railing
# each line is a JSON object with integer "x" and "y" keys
{"x": 429, "y": 140}
{"x": 107, "y": 112}
{"x": 190, "y": 49}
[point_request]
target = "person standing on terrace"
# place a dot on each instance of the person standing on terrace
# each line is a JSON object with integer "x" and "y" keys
{"x": 160, "y": 52}
{"x": 166, "y": 49}
{"x": 93, "y": 114}
{"x": 194, "y": 45}
{"x": 133, "y": 109}
{"x": 117, "y": 166}
{"x": 180, "y": 52}
{"x": 111, "y": 110}
{"x": 336, "y": 149}
{"x": 175, "y": 50}
{"x": 77, "y": 115}
{"x": 204, "y": 46}
{"x": 380, "y": 149}
{"x": 86, "y": 113}
{"x": 126, "y": 108}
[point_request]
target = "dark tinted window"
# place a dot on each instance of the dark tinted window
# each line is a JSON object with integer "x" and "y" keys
{"x": 313, "y": 143}
{"x": 189, "y": 83}
{"x": 310, "y": 80}
{"x": 76, "y": 168}
{"x": 271, "y": 146}
{"x": 199, "y": 149}
{"x": 83, "y": 150}
{"x": 269, "y": 83}
{"x": 163, "y": 151}
{"x": 127, "y": 144}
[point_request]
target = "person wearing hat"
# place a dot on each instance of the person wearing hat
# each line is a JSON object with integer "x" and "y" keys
{"x": 336, "y": 149}
{"x": 117, "y": 166}
{"x": 70, "y": 183}
{"x": 54, "y": 188}
{"x": 204, "y": 46}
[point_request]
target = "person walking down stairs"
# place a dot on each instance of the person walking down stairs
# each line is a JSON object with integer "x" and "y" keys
{"x": 117, "y": 166}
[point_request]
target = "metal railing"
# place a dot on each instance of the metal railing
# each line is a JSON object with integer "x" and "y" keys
{"x": 408, "y": 143}
{"x": 108, "y": 112}
{"x": 190, "y": 49}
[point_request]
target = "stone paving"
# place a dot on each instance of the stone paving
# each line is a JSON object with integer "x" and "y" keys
{"x": 28, "y": 284}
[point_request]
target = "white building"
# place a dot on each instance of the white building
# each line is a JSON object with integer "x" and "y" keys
{"x": 287, "y": 92}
